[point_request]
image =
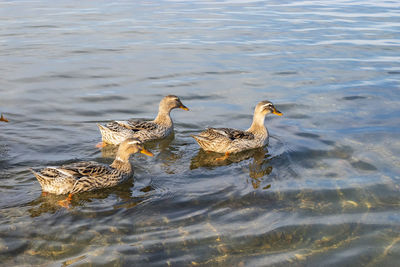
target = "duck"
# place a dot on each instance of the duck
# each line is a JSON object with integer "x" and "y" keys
{"x": 2, "y": 118}
{"x": 116, "y": 132}
{"x": 85, "y": 176}
{"x": 228, "y": 140}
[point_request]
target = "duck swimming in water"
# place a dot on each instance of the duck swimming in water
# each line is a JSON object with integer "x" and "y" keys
{"x": 89, "y": 175}
{"x": 117, "y": 131}
{"x": 228, "y": 140}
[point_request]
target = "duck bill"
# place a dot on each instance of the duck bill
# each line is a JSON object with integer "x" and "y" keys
{"x": 146, "y": 152}
{"x": 184, "y": 107}
{"x": 277, "y": 112}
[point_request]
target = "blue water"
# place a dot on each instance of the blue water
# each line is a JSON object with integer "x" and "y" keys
{"x": 324, "y": 192}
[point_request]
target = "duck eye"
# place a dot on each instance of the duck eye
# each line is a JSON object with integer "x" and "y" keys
{"x": 268, "y": 105}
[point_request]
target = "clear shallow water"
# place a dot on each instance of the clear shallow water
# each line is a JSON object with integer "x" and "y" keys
{"x": 324, "y": 192}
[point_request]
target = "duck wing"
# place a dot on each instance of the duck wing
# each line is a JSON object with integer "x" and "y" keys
{"x": 85, "y": 168}
{"x": 228, "y": 133}
{"x": 134, "y": 125}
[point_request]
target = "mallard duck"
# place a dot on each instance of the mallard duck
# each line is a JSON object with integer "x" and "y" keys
{"x": 89, "y": 175}
{"x": 117, "y": 131}
{"x": 227, "y": 140}
{"x": 3, "y": 119}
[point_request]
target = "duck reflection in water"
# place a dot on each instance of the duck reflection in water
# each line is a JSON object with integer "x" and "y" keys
{"x": 258, "y": 168}
{"x": 48, "y": 203}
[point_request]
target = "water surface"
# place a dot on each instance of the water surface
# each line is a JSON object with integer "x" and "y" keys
{"x": 324, "y": 192}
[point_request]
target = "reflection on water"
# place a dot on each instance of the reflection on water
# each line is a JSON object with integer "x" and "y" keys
{"x": 324, "y": 192}
{"x": 48, "y": 203}
{"x": 258, "y": 167}
{"x": 210, "y": 159}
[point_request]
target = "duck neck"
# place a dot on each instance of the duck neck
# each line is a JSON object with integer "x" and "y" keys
{"x": 257, "y": 127}
{"x": 121, "y": 162}
{"x": 163, "y": 117}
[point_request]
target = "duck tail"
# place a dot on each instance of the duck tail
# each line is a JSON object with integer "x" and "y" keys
{"x": 196, "y": 137}
{"x": 202, "y": 141}
{"x": 41, "y": 179}
{"x": 103, "y": 129}
{"x": 199, "y": 138}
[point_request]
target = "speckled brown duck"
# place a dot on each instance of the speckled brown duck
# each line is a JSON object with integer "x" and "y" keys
{"x": 89, "y": 175}
{"x": 117, "y": 131}
{"x": 228, "y": 140}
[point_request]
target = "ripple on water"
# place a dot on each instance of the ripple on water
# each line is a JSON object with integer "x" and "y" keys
{"x": 323, "y": 192}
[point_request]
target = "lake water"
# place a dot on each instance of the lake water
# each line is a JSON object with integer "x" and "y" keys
{"x": 325, "y": 192}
